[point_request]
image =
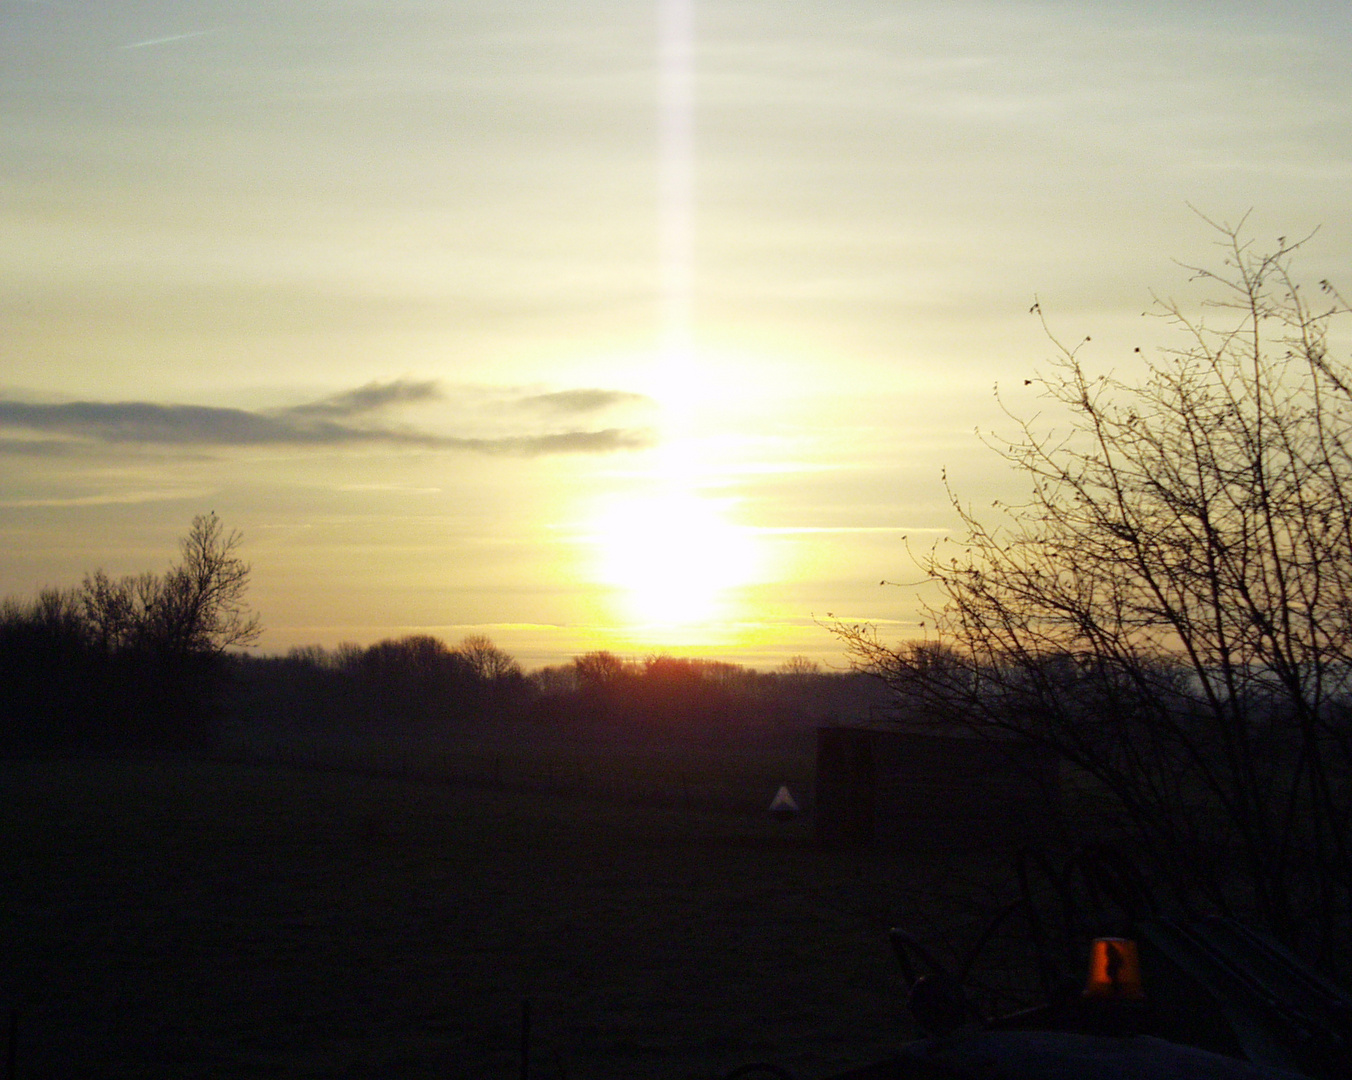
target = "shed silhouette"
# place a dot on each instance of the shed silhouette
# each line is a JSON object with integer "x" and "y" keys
{"x": 878, "y": 785}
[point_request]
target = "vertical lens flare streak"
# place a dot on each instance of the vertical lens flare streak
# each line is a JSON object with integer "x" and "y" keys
{"x": 675, "y": 164}
{"x": 668, "y": 549}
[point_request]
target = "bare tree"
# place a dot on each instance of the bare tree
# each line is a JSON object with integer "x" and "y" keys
{"x": 800, "y": 667}
{"x": 602, "y": 672}
{"x": 1170, "y": 608}
{"x": 118, "y": 613}
{"x": 488, "y": 662}
{"x": 197, "y": 608}
{"x": 203, "y": 597}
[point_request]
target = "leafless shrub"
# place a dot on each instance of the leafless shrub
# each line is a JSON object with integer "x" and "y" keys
{"x": 1170, "y": 608}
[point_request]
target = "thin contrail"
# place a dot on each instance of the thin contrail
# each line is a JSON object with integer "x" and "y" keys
{"x": 171, "y": 37}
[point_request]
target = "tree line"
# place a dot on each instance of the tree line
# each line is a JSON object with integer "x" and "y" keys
{"x": 156, "y": 660}
{"x": 419, "y": 682}
{"x": 412, "y": 680}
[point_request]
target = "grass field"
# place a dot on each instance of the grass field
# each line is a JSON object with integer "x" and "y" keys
{"x": 204, "y": 919}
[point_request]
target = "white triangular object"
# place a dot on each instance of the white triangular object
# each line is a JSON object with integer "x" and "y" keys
{"x": 783, "y": 804}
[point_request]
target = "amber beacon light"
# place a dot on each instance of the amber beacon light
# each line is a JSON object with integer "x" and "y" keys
{"x": 1114, "y": 971}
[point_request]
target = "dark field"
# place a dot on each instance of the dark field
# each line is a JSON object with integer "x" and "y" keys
{"x": 191, "y": 919}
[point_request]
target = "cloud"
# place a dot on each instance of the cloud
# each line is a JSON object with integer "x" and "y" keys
{"x": 567, "y": 442}
{"x": 370, "y": 398}
{"x": 584, "y": 401}
{"x": 141, "y": 421}
{"x": 333, "y": 421}
{"x": 128, "y": 498}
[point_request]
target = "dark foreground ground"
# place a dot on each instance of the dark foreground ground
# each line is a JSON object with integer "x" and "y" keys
{"x": 189, "y": 919}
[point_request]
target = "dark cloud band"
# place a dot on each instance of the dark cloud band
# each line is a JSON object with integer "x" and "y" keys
{"x": 326, "y": 423}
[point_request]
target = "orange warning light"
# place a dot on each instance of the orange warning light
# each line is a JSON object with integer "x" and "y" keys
{"x": 1114, "y": 970}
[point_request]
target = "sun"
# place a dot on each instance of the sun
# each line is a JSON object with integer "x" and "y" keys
{"x": 673, "y": 556}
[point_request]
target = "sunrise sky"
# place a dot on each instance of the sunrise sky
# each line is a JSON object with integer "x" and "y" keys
{"x": 599, "y": 324}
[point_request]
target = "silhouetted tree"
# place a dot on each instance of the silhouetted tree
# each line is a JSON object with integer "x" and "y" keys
{"x": 1170, "y": 609}
{"x": 201, "y": 608}
{"x": 601, "y": 671}
{"x": 196, "y": 609}
{"x": 486, "y": 660}
{"x": 556, "y": 681}
{"x": 137, "y": 657}
{"x": 800, "y": 666}
{"x": 46, "y": 669}
{"x": 414, "y": 678}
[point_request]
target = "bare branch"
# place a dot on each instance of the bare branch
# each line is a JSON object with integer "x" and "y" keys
{"x": 1170, "y": 607}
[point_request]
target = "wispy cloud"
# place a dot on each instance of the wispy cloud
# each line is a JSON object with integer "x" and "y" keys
{"x": 370, "y": 398}
{"x": 343, "y": 419}
{"x": 147, "y": 422}
{"x": 851, "y": 530}
{"x": 127, "y": 498}
{"x": 584, "y": 401}
{"x": 566, "y": 442}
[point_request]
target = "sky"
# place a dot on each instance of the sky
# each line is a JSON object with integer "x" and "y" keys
{"x": 602, "y": 324}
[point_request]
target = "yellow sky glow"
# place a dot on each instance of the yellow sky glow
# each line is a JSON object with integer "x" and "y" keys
{"x": 600, "y": 325}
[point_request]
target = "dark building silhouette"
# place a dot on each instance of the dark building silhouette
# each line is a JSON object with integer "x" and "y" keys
{"x": 877, "y": 785}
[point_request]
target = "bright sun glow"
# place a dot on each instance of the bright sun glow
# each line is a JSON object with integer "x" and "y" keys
{"x": 675, "y": 557}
